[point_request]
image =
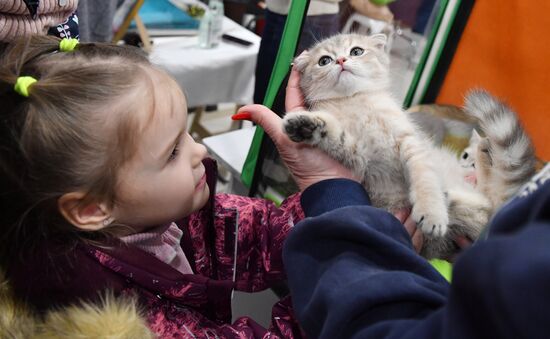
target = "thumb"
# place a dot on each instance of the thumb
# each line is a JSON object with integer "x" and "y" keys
{"x": 294, "y": 100}
{"x": 263, "y": 116}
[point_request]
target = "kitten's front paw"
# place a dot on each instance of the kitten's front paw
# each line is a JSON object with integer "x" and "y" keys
{"x": 304, "y": 127}
{"x": 431, "y": 219}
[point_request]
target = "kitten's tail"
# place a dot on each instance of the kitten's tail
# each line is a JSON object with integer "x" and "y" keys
{"x": 510, "y": 149}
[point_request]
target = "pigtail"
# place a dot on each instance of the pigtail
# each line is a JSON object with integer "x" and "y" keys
{"x": 16, "y": 197}
{"x": 23, "y": 51}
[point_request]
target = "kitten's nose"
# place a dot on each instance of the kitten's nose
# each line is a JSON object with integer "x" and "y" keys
{"x": 341, "y": 60}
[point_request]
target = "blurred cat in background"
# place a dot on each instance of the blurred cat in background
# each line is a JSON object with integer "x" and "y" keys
{"x": 467, "y": 157}
{"x": 504, "y": 158}
{"x": 354, "y": 118}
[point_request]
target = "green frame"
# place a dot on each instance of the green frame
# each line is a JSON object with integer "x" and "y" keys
{"x": 441, "y": 44}
{"x": 285, "y": 55}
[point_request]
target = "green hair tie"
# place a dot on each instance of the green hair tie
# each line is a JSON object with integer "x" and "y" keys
{"x": 22, "y": 85}
{"x": 67, "y": 45}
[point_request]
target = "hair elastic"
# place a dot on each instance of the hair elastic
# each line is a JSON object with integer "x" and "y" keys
{"x": 22, "y": 85}
{"x": 67, "y": 44}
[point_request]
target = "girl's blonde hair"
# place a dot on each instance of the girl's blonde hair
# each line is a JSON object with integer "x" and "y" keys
{"x": 73, "y": 132}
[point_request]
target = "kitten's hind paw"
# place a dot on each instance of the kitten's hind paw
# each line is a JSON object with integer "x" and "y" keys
{"x": 304, "y": 127}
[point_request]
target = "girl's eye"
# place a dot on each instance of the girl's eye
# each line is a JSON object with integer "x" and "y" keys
{"x": 325, "y": 60}
{"x": 356, "y": 51}
{"x": 174, "y": 153}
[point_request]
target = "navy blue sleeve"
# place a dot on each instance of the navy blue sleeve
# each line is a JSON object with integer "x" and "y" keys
{"x": 331, "y": 194}
{"x": 353, "y": 273}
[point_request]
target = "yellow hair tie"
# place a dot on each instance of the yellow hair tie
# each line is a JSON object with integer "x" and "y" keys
{"x": 22, "y": 85}
{"x": 67, "y": 45}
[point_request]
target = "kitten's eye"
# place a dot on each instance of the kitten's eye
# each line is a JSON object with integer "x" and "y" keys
{"x": 465, "y": 155}
{"x": 325, "y": 60}
{"x": 356, "y": 51}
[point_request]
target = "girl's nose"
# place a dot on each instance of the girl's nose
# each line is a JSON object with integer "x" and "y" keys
{"x": 197, "y": 151}
{"x": 200, "y": 151}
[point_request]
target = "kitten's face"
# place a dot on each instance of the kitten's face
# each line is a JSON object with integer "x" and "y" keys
{"x": 342, "y": 66}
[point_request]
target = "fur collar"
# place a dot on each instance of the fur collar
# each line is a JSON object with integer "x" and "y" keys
{"x": 110, "y": 318}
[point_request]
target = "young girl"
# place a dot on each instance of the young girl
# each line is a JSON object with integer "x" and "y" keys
{"x": 103, "y": 189}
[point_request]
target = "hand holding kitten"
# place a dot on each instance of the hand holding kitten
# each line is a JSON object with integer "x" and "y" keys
{"x": 307, "y": 164}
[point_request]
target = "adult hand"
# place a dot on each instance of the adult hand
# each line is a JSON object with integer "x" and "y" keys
{"x": 307, "y": 164}
{"x": 404, "y": 216}
{"x": 463, "y": 243}
{"x": 294, "y": 98}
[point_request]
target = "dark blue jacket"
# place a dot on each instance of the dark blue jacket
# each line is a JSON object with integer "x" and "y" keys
{"x": 353, "y": 272}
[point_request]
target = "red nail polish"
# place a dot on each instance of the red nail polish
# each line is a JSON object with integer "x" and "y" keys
{"x": 241, "y": 116}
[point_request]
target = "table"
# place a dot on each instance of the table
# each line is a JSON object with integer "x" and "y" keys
{"x": 224, "y": 73}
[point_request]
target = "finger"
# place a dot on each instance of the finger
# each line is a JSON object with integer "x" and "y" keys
{"x": 264, "y": 117}
{"x": 417, "y": 240}
{"x": 463, "y": 242}
{"x": 410, "y": 224}
{"x": 401, "y": 215}
{"x": 294, "y": 97}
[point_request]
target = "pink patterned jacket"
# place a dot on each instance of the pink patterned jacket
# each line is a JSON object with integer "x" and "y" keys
{"x": 198, "y": 305}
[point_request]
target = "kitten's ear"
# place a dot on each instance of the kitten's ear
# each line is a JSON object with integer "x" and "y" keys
{"x": 378, "y": 41}
{"x": 300, "y": 62}
{"x": 475, "y": 138}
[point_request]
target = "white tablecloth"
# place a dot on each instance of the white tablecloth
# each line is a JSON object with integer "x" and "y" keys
{"x": 209, "y": 76}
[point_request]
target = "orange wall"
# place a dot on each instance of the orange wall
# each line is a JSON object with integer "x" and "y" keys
{"x": 505, "y": 48}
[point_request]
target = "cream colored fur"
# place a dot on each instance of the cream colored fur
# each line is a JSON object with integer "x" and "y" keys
{"x": 361, "y": 125}
{"x": 116, "y": 318}
{"x": 16, "y": 321}
{"x": 505, "y": 157}
{"x": 354, "y": 118}
{"x": 468, "y": 155}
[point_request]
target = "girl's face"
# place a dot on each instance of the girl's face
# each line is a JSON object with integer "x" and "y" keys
{"x": 165, "y": 180}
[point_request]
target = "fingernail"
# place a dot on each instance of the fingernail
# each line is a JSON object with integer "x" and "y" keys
{"x": 241, "y": 116}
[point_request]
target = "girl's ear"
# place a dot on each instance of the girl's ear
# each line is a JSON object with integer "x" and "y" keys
{"x": 88, "y": 217}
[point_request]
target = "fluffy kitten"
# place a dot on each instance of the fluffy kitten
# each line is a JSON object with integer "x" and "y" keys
{"x": 354, "y": 118}
{"x": 504, "y": 159}
{"x": 500, "y": 162}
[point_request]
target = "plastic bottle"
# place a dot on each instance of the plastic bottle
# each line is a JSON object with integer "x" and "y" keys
{"x": 205, "y": 30}
{"x": 210, "y": 28}
{"x": 216, "y": 6}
